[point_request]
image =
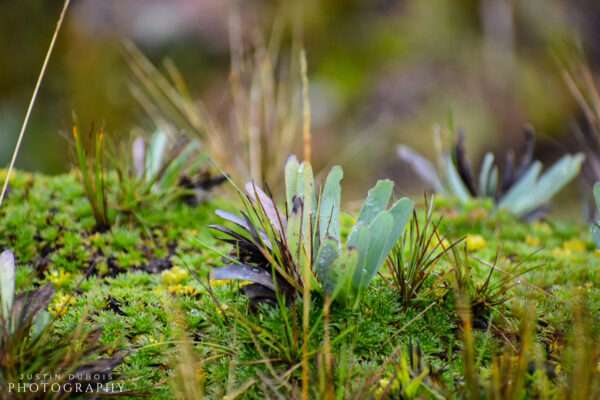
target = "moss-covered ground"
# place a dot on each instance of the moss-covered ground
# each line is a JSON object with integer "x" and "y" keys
{"x": 135, "y": 279}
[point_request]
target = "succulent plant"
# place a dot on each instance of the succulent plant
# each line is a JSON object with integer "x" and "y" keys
{"x": 170, "y": 168}
{"x": 520, "y": 187}
{"x": 272, "y": 247}
{"x": 28, "y": 347}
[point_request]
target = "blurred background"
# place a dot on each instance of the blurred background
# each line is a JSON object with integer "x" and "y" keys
{"x": 382, "y": 72}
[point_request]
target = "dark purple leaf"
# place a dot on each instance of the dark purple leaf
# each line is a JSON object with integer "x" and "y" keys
{"x": 244, "y": 273}
{"x": 463, "y": 165}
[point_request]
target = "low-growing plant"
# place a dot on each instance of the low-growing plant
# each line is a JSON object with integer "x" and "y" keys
{"x": 162, "y": 169}
{"x": 90, "y": 152}
{"x": 413, "y": 259}
{"x": 519, "y": 187}
{"x": 283, "y": 252}
{"x": 520, "y": 371}
{"x": 488, "y": 294}
{"x": 34, "y": 362}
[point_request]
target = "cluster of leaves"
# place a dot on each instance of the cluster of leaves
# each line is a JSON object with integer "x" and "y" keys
{"x": 283, "y": 252}
{"x": 489, "y": 294}
{"x": 164, "y": 169}
{"x": 519, "y": 189}
{"x": 28, "y": 347}
{"x": 91, "y": 161}
{"x": 414, "y": 258}
{"x": 160, "y": 170}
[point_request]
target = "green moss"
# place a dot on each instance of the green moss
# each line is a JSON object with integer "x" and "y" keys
{"x": 115, "y": 278}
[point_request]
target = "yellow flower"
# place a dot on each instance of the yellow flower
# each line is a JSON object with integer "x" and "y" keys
{"x": 475, "y": 242}
{"x": 542, "y": 227}
{"x": 532, "y": 241}
{"x": 60, "y": 305}
{"x": 575, "y": 245}
{"x": 214, "y": 283}
{"x": 59, "y": 278}
{"x": 174, "y": 276}
{"x": 561, "y": 252}
{"x": 182, "y": 290}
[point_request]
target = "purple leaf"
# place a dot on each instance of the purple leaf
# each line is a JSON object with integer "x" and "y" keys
{"x": 244, "y": 273}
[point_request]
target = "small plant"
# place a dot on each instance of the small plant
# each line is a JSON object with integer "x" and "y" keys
{"x": 90, "y": 158}
{"x": 281, "y": 252}
{"x": 32, "y": 356}
{"x": 409, "y": 379}
{"x": 519, "y": 189}
{"x": 413, "y": 259}
{"x": 487, "y": 294}
{"x": 162, "y": 170}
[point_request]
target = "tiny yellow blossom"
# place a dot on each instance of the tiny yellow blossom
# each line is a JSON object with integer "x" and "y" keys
{"x": 561, "y": 252}
{"x": 475, "y": 242}
{"x": 59, "y": 278}
{"x": 174, "y": 276}
{"x": 214, "y": 283}
{"x": 542, "y": 227}
{"x": 182, "y": 290}
{"x": 532, "y": 241}
{"x": 60, "y": 305}
{"x": 575, "y": 245}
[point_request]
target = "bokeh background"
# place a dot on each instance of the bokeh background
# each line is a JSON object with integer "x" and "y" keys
{"x": 382, "y": 72}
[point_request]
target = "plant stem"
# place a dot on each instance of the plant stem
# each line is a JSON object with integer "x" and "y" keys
{"x": 33, "y": 98}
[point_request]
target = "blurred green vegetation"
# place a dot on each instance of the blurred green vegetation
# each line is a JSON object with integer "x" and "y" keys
{"x": 382, "y": 72}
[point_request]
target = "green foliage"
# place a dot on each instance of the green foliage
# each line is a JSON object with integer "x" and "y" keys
{"x": 163, "y": 169}
{"x": 490, "y": 293}
{"x": 521, "y": 188}
{"x": 414, "y": 258}
{"x": 273, "y": 247}
{"x": 30, "y": 353}
{"x": 49, "y": 224}
{"x": 90, "y": 158}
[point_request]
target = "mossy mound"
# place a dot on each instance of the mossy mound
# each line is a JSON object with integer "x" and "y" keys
{"x": 133, "y": 281}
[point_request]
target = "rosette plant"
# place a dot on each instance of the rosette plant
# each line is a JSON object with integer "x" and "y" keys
{"x": 165, "y": 168}
{"x": 520, "y": 187}
{"x": 30, "y": 348}
{"x": 279, "y": 251}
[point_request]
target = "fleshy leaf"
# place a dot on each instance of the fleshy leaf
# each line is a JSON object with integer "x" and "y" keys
{"x": 138, "y": 150}
{"x": 329, "y": 213}
{"x": 155, "y": 153}
{"x": 422, "y": 167}
{"x": 7, "y": 282}
{"x": 401, "y": 212}
{"x": 267, "y": 204}
{"x": 291, "y": 181}
{"x": 380, "y": 230}
{"x": 485, "y": 176}
{"x": 455, "y": 183}
{"x": 516, "y": 196}
{"x": 328, "y": 253}
{"x": 377, "y": 200}
{"x": 243, "y": 272}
